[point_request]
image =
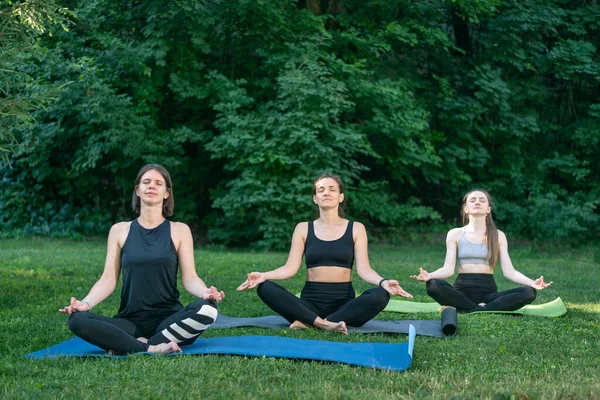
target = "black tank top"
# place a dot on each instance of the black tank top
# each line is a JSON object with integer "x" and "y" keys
{"x": 335, "y": 253}
{"x": 149, "y": 263}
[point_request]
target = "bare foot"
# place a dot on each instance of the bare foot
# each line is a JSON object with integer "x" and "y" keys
{"x": 299, "y": 325}
{"x": 337, "y": 327}
{"x": 331, "y": 326}
{"x": 142, "y": 339}
{"x": 164, "y": 348}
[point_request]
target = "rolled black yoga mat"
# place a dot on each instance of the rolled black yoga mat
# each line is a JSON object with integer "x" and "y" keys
{"x": 449, "y": 322}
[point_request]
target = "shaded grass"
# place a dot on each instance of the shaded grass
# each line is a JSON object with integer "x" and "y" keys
{"x": 493, "y": 356}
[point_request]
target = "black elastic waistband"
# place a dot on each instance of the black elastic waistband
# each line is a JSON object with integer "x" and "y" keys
{"x": 328, "y": 287}
{"x": 476, "y": 277}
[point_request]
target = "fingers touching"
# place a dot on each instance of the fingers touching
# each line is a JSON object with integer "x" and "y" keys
{"x": 254, "y": 279}
{"x": 423, "y": 276}
{"x": 213, "y": 294}
{"x": 394, "y": 288}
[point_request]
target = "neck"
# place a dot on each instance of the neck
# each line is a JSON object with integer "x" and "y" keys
{"x": 329, "y": 217}
{"x": 151, "y": 216}
{"x": 477, "y": 223}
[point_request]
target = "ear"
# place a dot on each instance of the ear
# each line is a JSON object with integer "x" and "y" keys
{"x": 314, "y": 199}
{"x": 137, "y": 189}
{"x": 341, "y": 197}
{"x": 167, "y": 194}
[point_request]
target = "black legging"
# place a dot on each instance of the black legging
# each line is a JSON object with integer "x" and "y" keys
{"x": 119, "y": 334}
{"x": 471, "y": 289}
{"x": 334, "y": 301}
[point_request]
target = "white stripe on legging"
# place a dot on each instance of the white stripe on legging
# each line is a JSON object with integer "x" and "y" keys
{"x": 204, "y": 310}
{"x": 208, "y": 311}
{"x": 182, "y": 331}
{"x": 171, "y": 338}
{"x": 194, "y": 324}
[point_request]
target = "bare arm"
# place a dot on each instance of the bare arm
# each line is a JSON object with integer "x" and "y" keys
{"x": 189, "y": 278}
{"x": 112, "y": 267}
{"x": 447, "y": 270}
{"x": 290, "y": 268}
{"x": 363, "y": 266}
{"x": 509, "y": 271}
{"x": 361, "y": 256}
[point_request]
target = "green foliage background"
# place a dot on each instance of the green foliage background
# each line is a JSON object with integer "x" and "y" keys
{"x": 246, "y": 101}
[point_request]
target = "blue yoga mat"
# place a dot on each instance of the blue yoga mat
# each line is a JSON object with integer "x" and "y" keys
{"x": 395, "y": 357}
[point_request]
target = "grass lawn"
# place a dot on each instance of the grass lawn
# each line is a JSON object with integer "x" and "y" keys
{"x": 493, "y": 356}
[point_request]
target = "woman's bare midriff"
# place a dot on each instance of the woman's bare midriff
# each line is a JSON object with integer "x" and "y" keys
{"x": 329, "y": 274}
{"x": 475, "y": 269}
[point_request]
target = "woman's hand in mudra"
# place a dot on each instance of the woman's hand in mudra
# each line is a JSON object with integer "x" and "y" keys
{"x": 539, "y": 283}
{"x": 213, "y": 294}
{"x": 254, "y": 279}
{"x": 423, "y": 276}
{"x": 393, "y": 288}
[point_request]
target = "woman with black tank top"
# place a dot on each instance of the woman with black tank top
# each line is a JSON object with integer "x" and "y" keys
{"x": 478, "y": 246}
{"x": 149, "y": 250}
{"x": 331, "y": 245}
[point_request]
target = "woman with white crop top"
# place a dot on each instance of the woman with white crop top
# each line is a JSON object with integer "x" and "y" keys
{"x": 478, "y": 246}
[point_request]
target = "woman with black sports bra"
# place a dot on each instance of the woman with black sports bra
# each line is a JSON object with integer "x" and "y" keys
{"x": 149, "y": 250}
{"x": 331, "y": 245}
{"x": 478, "y": 246}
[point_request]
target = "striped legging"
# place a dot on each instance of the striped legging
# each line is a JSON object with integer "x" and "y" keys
{"x": 119, "y": 334}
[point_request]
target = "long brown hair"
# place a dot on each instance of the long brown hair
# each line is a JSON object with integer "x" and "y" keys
{"x": 168, "y": 203}
{"x": 342, "y": 207}
{"x": 491, "y": 232}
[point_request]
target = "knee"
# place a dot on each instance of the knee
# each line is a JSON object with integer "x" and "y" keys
{"x": 381, "y": 297}
{"x": 206, "y": 308}
{"x": 264, "y": 288}
{"x": 529, "y": 294}
{"x": 433, "y": 286}
{"x": 77, "y": 322}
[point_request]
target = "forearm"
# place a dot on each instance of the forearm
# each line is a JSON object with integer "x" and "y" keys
{"x": 369, "y": 275}
{"x": 279, "y": 274}
{"x": 100, "y": 291}
{"x": 518, "y": 278}
{"x": 442, "y": 273}
{"x": 196, "y": 287}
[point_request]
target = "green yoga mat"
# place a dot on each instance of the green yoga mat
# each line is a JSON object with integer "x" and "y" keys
{"x": 554, "y": 308}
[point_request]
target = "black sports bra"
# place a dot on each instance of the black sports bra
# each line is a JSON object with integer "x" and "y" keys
{"x": 335, "y": 253}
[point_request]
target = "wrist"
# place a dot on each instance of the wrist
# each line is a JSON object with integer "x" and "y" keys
{"x": 88, "y": 302}
{"x": 381, "y": 282}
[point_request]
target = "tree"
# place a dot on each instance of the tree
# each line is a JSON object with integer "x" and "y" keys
{"x": 21, "y": 22}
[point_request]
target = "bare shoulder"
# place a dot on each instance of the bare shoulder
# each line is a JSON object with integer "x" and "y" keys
{"x": 454, "y": 234}
{"x": 358, "y": 227}
{"x": 119, "y": 231}
{"x": 502, "y": 238}
{"x": 180, "y": 227}
{"x": 301, "y": 229}
{"x": 120, "y": 227}
{"x": 358, "y": 230}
